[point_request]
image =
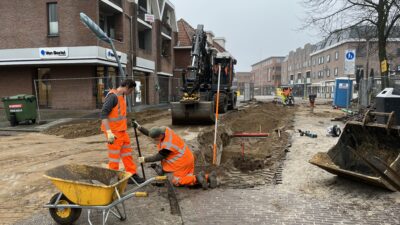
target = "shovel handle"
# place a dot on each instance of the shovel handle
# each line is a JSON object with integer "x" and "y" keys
{"x": 140, "y": 153}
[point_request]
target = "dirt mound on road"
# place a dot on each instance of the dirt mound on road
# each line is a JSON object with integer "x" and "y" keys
{"x": 76, "y": 129}
{"x": 86, "y": 128}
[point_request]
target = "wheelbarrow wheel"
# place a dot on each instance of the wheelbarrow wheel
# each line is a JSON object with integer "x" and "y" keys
{"x": 64, "y": 216}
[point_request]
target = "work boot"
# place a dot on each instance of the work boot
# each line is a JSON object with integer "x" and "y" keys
{"x": 212, "y": 179}
{"x": 201, "y": 179}
{"x": 136, "y": 177}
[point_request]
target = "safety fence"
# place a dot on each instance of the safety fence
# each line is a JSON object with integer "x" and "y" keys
{"x": 369, "y": 88}
{"x": 84, "y": 97}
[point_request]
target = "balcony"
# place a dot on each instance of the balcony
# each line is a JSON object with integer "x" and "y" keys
{"x": 166, "y": 29}
{"x": 141, "y": 15}
{"x": 114, "y": 4}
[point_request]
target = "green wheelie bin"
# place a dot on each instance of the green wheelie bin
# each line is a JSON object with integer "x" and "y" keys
{"x": 20, "y": 108}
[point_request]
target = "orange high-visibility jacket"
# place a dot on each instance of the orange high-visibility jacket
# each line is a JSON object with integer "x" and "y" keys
{"x": 180, "y": 154}
{"x": 117, "y": 116}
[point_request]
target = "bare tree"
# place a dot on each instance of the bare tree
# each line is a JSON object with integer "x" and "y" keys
{"x": 336, "y": 15}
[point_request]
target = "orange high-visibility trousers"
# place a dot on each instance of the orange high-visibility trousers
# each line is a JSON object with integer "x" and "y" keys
{"x": 121, "y": 149}
{"x": 184, "y": 175}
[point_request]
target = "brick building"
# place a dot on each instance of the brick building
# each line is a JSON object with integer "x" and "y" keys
{"x": 296, "y": 69}
{"x": 315, "y": 68}
{"x": 184, "y": 45}
{"x": 243, "y": 78}
{"x": 50, "y": 44}
{"x": 267, "y": 75}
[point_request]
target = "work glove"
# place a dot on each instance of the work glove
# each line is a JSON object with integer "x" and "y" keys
{"x": 135, "y": 124}
{"x": 110, "y": 137}
{"x": 141, "y": 159}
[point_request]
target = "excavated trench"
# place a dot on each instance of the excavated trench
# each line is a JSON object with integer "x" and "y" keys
{"x": 248, "y": 162}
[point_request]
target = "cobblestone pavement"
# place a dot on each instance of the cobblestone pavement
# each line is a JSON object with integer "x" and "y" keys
{"x": 307, "y": 195}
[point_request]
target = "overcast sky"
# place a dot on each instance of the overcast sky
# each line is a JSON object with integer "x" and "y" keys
{"x": 254, "y": 29}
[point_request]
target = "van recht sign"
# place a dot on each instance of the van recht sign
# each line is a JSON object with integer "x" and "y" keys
{"x": 53, "y": 53}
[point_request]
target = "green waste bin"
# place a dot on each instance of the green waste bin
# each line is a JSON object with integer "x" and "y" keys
{"x": 20, "y": 108}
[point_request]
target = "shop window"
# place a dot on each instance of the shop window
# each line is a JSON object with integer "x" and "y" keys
{"x": 52, "y": 19}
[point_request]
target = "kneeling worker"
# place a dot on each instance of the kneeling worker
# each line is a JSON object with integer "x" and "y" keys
{"x": 176, "y": 158}
{"x": 114, "y": 125}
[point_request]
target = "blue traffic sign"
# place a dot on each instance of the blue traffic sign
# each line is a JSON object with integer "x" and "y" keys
{"x": 350, "y": 55}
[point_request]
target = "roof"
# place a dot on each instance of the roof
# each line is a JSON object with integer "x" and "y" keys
{"x": 272, "y": 57}
{"x": 186, "y": 32}
{"x": 354, "y": 33}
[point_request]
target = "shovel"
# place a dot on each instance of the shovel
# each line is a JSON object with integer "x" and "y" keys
{"x": 138, "y": 146}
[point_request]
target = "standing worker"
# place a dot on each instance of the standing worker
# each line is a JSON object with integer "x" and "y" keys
{"x": 114, "y": 125}
{"x": 176, "y": 158}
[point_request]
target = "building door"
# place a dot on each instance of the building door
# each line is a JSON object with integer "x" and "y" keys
{"x": 140, "y": 94}
{"x": 163, "y": 82}
{"x": 44, "y": 87}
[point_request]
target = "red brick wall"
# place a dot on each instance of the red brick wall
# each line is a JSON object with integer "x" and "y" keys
{"x": 182, "y": 58}
{"x": 15, "y": 81}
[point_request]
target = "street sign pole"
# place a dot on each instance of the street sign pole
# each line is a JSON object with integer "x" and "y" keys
{"x": 349, "y": 69}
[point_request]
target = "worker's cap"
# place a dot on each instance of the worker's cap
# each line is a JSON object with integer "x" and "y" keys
{"x": 156, "y": 131}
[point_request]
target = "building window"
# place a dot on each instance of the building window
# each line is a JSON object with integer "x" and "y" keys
{"x": 336, "y": 55}
{"x": 314, "y": 62}
{"x": 322, "y": 60}
{"x": 328, "y": 58}
{"x": 328, "y": 72}
{"x": 335, "y": 71}
{"x": 398, "y": 52}
{"x": 52, "y": 18}
{"x": 144, "y": 39}
{"x": 111, "y": 22}
{"x": 166, "y": 48}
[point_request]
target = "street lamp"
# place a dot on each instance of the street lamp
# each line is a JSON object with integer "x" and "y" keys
{"x": 100, "y": 34}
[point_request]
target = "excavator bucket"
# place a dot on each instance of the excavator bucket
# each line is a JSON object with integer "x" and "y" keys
{"x": 195, "y": 113}
{"x": 367, "y": 152}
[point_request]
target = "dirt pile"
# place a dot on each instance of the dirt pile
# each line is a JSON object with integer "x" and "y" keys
{"x": 86, "y": 127}
{"x": 75, "y": 129}
{"x": 247, "y": 162}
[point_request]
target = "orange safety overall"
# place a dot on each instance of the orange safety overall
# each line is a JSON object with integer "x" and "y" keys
{"x": 121, "y": 148}
{"x": 180, "y": 162}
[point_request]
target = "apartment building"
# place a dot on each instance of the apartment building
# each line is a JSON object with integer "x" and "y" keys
{"x": 267, "y": 75}
{"x": 51, "y": 45}
{"x": 314, "y": 68}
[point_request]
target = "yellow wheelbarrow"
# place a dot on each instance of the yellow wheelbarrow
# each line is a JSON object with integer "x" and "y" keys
{"x": 91, "y": 188}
